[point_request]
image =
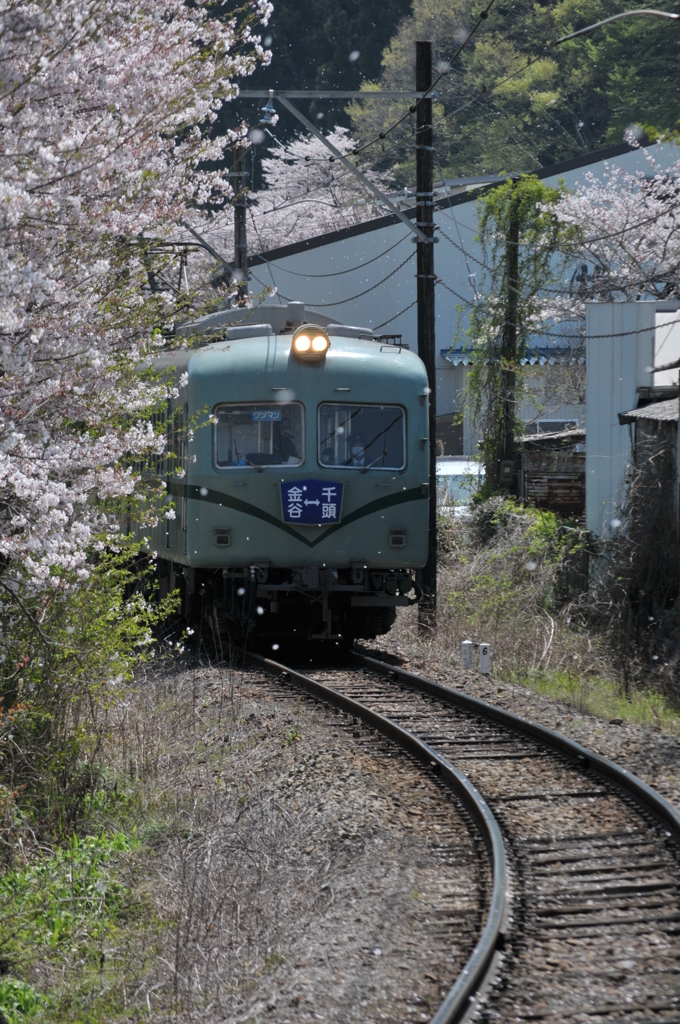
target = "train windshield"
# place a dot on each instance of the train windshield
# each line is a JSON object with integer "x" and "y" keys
{"x": 259, "y": 434}
{"x": 362, "y": 436}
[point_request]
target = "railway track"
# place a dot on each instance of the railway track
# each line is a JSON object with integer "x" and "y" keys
{"x": 583, "y": 922}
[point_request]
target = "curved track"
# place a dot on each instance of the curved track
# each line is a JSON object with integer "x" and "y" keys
{"x": 593, "y": 929}
{"x": 481, "y": 963}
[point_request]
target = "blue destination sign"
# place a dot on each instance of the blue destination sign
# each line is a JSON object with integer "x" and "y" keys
{"x": 311, "y": 502}
{"x": 266, "y": 415}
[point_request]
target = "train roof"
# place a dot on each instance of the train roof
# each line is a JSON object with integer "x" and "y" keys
{"x": 258, "y": 341}
{"x": 354, "y": 359}
{"x": 280, "y": 318}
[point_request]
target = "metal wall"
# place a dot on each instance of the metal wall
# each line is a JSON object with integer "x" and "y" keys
{"x": 619, "y": 353}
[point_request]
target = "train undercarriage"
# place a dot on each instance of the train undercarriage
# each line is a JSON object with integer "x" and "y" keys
{"x": 311, "y": 603}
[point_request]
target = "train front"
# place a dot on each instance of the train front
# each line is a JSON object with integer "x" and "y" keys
{"x": 306, "y": 503}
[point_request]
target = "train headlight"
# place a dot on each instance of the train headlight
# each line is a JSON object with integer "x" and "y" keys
{"x": 310, "y": 343}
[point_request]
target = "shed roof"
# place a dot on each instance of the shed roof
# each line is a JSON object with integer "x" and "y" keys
{"x": 658, "y": 412}
{"x": 574, "y": 434}
{"x": 559, "y": 352}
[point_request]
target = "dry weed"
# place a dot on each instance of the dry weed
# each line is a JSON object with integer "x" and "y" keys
{"x": 513, "y": 578}
{"x": 276, "y": 870}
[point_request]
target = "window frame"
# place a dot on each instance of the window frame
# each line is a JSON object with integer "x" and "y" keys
{"x": 363, "y": 405}
{"x": 266, "y": 403}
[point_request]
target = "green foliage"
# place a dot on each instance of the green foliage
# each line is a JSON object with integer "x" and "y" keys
{"x": 603, "y": 697}
{"x": 68, "y": 647}
{"x": 515, "y": 580}
{"x": 507, "y": 572}
{"x": 295, "y": 734}
{"x": 63, "y": 914}
{"x": 19, "y": 1001}
{"x": 64, "y": 902}
{"x": 520, "y": 238}
{"x": 570, "y": 100}
{"x": 542, "y": 531}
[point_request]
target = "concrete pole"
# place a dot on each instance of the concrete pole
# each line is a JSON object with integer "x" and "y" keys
{"x": 240, "y": 237}
{"x": 427, "y": 610}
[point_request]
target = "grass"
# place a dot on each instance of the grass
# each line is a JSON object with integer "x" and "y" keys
{"x": 62, "y": 918}
{"x": 186, "y": 876}
{"x": 601, "y": 697}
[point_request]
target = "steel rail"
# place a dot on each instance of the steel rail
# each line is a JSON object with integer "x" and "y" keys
{"x": 481, "y": 964}
{"x": 662, "y": 809}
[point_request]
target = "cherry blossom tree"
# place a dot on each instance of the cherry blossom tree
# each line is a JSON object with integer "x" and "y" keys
{"x": 306, "y": 193}
{"x": 309, "y": 193}
{"x": 626, "y": 229}
{"x": 107, "y": 113}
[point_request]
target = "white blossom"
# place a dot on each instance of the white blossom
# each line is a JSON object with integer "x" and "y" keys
{"x": 627, "y": 229}
{"x": 107, "y": 117}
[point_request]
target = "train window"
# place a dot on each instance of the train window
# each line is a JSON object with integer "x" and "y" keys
{"x": 259, "y": 434}
{"x": 362, "y": 436}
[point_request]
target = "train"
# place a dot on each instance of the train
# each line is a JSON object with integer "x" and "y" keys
{"x": 297, "y": 474}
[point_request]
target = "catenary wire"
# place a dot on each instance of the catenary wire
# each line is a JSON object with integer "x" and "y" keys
{"x": 338, "y": 273}
{"x": 396, "y": 316}
{"x": 454, "y": 293}
{"x": 351, "y": 298}
{"x": 452, "y": 216}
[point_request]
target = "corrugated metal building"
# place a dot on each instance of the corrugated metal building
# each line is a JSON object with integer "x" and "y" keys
{"x": 624, "y": 340}
{"x": 655, "y": 450}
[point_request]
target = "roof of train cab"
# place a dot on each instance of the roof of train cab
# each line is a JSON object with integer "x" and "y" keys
{"x": 353, "y": 369}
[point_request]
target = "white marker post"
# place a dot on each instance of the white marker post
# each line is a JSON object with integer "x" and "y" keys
{"x": 484, "y": 659}
{"x": 467, "y": 648}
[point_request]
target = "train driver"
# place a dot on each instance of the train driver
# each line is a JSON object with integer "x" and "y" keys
{"x": 284, "y": 444}
{"x": 357, "y": 445}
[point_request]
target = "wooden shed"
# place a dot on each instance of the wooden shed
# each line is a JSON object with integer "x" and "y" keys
{"x": 553, "y": 475}
{"x": 655, "y": 451}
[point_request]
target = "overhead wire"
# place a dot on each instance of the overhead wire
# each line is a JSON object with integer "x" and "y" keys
{"x": 481, "y": 95}
{"x": 339, "y": 273}
{"x": 396, "y": 316}
{"x": 294, "y": 156}
{"x": 471, "y": 277}
{"x": 351, "y": 298}
{"x": 448, "y": 288}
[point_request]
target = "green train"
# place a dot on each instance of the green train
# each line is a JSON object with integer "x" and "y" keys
{"x": 298, "y": 475}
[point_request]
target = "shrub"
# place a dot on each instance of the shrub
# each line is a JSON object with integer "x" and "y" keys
{"x": 68, "y": 648}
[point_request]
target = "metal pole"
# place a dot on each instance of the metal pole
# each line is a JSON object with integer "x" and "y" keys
{"x": 240, "y": 238}
{"x": 328, "y": 94}
{"x": 427, "y": 610}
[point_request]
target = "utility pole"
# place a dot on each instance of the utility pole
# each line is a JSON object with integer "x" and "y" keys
{"x": 427, "y": 609}
{"x": 509, "y": 335}
{"x": 238, "y": 177}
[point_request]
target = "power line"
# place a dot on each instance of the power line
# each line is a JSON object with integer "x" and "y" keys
{"x": 472, "y": 279}
{"x": 461, "y": 249}
{"x": 396, "y": 316}
{"x": 351, "y": 298}
{"x": 617, "y": 334}
{"x": 454, "y": 293}
{"x": 338, "y": 273}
